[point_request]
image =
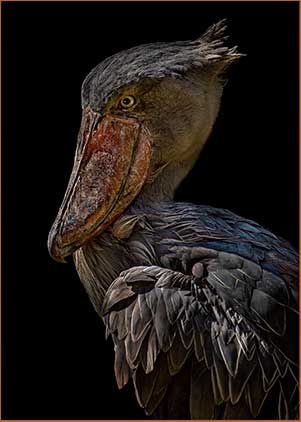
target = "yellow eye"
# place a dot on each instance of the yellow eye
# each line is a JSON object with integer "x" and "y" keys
{"x": 127, "y": 101}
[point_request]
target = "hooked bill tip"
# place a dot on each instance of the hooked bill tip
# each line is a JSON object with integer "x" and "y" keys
{"x": 54, "y": 249}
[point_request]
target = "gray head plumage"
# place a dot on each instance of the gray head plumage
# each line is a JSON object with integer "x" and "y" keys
{"x": 156, "y": 61}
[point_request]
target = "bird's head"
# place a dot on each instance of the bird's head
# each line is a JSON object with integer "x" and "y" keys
{"x": 147, "y": 112}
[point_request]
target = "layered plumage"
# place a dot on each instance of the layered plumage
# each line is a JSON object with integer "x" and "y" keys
{"x": 204, "y": 316}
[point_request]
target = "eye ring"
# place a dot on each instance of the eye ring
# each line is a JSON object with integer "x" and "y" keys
{"x": 127, "y": 102}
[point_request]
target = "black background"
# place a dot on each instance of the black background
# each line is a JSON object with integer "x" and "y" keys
{"x": 56, "y": 363}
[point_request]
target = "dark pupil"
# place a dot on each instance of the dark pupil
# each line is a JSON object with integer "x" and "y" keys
{"x": 126, "y": 101}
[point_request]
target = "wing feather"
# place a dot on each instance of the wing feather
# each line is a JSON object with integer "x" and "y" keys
{"x": 121, "y": 367}
{"x": 177, "y": 356}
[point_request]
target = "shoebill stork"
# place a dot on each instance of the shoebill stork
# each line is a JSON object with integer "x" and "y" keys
{"x": 201, "y": 304}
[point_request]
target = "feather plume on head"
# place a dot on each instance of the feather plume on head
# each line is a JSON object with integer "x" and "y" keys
{"x": 157, "y": 61}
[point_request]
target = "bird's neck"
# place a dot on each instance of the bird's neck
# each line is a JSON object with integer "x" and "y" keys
{"x": 164, "y": 180}
{"x": 163, "y": 186}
